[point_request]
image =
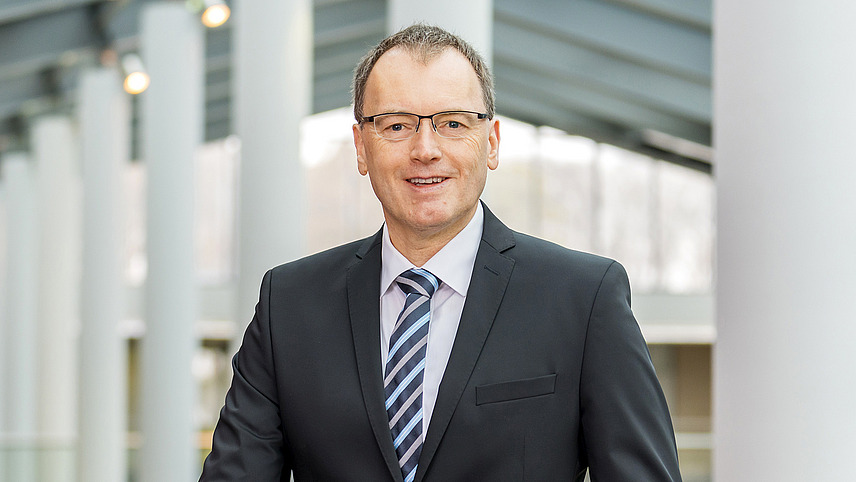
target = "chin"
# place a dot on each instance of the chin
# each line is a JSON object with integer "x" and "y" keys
{"x": 436, "y": 223}
{"x": 428, "y": 224}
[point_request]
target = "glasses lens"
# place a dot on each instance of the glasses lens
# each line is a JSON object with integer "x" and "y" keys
{"x": 455, "y": 124}
{"x": 396, "y": 126}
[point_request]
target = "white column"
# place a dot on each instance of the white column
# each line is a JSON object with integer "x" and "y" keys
{"x": 21, "y": 359}
{"x": 785, "y": 363}
{"x": 172, "y": 110}
{"x": 105, "y": 138}
{"x": 59, "y": 204}
{"x": 472, "y": 20}
{"x": 4, "y": 324}
{"x": 273, "y": 93}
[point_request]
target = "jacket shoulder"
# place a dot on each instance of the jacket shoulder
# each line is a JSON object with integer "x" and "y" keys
{"x": 332, "y": 261}
{"x": 547, "y": 254}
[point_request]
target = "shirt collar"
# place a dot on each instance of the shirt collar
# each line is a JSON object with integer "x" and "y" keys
{"x": 453, "y": 264}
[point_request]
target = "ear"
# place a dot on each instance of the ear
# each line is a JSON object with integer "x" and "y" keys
{"x": 361, "y": 150}
{"x": 493, "y": 141}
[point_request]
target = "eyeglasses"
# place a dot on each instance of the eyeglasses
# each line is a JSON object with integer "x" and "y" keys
{"x": 398, "y": 126}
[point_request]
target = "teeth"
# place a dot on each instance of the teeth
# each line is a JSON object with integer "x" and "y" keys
{"x": 430, "y": 180}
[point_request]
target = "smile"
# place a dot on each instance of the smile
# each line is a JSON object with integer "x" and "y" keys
{"x": 424, "y": 181}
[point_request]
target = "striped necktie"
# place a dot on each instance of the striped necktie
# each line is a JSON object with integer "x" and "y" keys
{"x": 405, "y": 367}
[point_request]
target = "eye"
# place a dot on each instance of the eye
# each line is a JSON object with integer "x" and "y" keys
{"x": 455, "y": 124}
{"x": 394, "y": 125}
{"x": 453, "y": 121}
{"x": 451, "y": 124}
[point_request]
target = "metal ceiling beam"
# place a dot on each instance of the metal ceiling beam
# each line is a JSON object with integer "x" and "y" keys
{"x": 524, "y": 108}
{"x": 333, "y": 70}
{"x": 13, "y": 91}
{"x": 344, "y": 31}
{"x": 521, "y": 108}
{"x": 218, "y": 41}
{"x": 341, "y": 59}
{"x": 344, "y": 22}
{"x": 696, "y": 13}
{"x": 611, "y": 76}
{"x": 35, "y": 43}
{"x": 16, "y": 10}
{"x": 350, "y": 31}
{"x": 218, "y": 119}
{"x": 616, "y": 31}
{"x": 331, "y": 91}
{"x": 583, "y": 100}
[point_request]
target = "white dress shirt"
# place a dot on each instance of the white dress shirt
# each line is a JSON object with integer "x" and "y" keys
{"x": 453, "y": 265}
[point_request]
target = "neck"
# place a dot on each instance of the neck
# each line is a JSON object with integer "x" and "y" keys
{"x": 418, "y": 246}
{"x": 418, "y": 249}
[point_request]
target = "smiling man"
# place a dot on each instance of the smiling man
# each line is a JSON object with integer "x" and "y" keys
{"x": 428, "y": 180}
{"x": 445, "y": 347}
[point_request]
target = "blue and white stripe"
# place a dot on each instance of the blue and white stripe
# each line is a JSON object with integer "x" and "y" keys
{"x": 405, "y": 367}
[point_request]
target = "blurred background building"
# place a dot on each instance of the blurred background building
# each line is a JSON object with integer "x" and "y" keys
{"x": 156, "y": 157}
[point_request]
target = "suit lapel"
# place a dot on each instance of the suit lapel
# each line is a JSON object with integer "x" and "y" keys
{"x": 491, "y": 273}
{"x": 363, "y": 302}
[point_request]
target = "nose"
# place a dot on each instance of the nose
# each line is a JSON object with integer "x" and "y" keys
{"x": 425, "y": 144}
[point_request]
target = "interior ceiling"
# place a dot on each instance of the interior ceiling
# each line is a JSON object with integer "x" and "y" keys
{"x": 634, "y": 73}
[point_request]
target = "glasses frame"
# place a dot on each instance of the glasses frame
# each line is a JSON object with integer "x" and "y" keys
{"x": 371, "y": 118}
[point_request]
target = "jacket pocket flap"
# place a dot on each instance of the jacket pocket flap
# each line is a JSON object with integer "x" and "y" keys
{"x": 516, "y": 389}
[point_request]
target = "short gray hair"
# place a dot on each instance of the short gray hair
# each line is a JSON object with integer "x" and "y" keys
{"x": 424, "y": 42}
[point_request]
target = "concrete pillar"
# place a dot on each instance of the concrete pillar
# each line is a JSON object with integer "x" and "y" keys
{"x": 470, "y": 19}
{"x": 4, "y": 324}
{"x": 172, "y": 121}
{"x": 20, "y": 354}
{"x": 784, "y": 362}
{"x": 58, "y": 195}
{"x": 273, "y": 93}
{"x": 104, "y": 114}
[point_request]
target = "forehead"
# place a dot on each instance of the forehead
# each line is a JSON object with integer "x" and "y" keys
{"x": 400, "y": 80}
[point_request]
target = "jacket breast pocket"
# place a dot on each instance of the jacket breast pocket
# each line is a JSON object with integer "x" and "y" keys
{"x": 516, "y": 389}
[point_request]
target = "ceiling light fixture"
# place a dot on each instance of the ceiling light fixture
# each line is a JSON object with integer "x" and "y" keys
{"x": 136, "y": 78}
{"x": 215, "y": 13}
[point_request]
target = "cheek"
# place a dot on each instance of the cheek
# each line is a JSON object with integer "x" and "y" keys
{"x": 475, "y": 151}
{"x": 376, "y": 162}
{"x": 473, "y": 145}
{"x": 382, "y": 188}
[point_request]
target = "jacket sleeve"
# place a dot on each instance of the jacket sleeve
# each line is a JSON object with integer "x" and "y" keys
{"x": 249, "y": 443}
{"x": 627, "y": 430}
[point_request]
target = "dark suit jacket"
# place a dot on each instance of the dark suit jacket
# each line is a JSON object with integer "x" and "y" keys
{"x": 548, "y": 375}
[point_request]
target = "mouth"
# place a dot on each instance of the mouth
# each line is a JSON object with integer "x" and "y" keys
{"x": 426, "y": 181}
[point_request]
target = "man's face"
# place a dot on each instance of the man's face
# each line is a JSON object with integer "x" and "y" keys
{"x": 428, "y": 185}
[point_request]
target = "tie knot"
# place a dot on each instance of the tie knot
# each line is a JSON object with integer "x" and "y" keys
{"x": 419, "y": 281}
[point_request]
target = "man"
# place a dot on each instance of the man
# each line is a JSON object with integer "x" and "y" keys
{"x": 446, "y": 347}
